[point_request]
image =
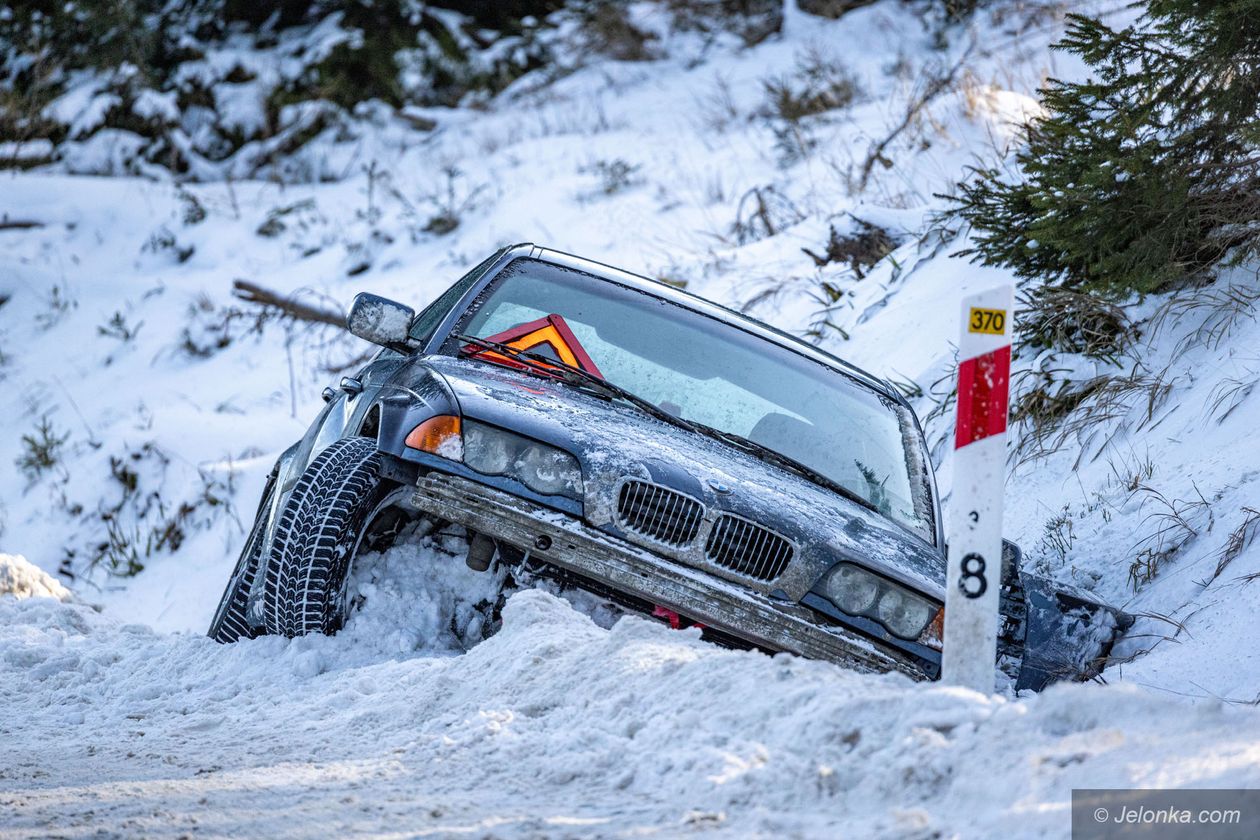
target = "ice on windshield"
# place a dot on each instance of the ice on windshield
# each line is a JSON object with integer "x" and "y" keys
{"x": 709, "y": 372}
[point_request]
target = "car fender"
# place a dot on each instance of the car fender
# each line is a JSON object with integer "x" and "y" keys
{"x": 1069, "y": 634}
{"x": 348, "y": 413}
{"x": 415, "y": 393}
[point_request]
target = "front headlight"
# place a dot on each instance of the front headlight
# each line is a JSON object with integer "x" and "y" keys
{"x": 851, "y": 589}
{"x": 904, "y": 614}
{"x": 858, "y": 592}
{"x": 550, "y": 471}
{"x": 544, "y": 469}
{"x": 489, "y": 450}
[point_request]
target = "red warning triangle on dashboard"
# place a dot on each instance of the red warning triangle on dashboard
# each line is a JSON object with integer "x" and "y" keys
{"x": 549, "y": 336}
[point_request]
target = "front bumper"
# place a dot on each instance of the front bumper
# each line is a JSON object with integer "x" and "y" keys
{"x": 567, "y": 543}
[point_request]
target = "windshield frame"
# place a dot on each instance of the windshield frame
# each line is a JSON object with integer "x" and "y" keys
{"x": 442, "y": 342}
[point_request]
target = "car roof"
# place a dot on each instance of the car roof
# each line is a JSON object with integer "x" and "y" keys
{"x": 698, "y": 304}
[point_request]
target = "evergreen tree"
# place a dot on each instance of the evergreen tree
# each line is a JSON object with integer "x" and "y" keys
{"x": 1143, "y": 174}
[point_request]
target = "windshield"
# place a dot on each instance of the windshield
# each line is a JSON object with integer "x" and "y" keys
{"x": 709, "y": 372}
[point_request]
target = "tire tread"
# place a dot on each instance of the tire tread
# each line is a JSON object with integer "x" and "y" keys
{"x": 315, "y": 536}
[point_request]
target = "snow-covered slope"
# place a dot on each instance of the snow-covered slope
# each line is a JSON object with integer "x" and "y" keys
{"x": 170, "y": 400}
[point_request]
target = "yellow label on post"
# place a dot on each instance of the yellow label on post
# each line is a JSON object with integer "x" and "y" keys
{"x": 989, "y": 321}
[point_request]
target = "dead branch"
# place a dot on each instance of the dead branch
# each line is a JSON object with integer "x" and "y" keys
{"x": 18, "y": 224}
{"x": 299, "y": 311}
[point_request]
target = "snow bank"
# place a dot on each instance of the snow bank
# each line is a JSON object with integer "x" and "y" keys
{"x": 22, "y": 579}
{"x": 553, "y": 726}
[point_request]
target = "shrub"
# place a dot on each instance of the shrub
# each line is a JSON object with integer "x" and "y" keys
{"x": 831, "y": 9}
{"x": 819, "y": 84}
{"x": 615, "y": 175}
{"x": 1074, "y": 322}
{"x": 395, "y": 51}
{"x": 1143, "y": 174}
{"x": 118, "y": 327}
{"x": 41, "y": 450}
{"x": 861, "y": 248}
{"x": 609, "y": 31}
{"x": 449, "y": 204}
{"x": 752, "y": 21}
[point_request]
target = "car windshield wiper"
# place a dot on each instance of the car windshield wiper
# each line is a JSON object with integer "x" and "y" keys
{"x": 773, "y": 456}
{"x": 576, "y": 376}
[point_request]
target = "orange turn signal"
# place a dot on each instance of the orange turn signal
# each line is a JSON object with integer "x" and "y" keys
{"x": 439, "y": 436}
{"x": 935, "y": 631}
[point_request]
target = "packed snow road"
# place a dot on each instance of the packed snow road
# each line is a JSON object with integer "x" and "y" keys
{"x": 553, "y": 727}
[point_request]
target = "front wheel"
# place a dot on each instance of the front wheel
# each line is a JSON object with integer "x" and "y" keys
{"x": 320, "y": 530}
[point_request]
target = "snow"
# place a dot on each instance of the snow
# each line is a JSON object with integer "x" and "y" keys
{"x": 121, "y": 717}
{"x": 34, "y": 150}
{"x": 552, "y": 726}
{"x": 20, "y": 579}
{"x": 157, "y": 106}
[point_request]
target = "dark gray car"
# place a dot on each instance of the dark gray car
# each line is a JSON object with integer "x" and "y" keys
{"x": 627, "y": 438}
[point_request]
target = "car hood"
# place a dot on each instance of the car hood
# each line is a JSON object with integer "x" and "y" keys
{"x": 614, "y": 440}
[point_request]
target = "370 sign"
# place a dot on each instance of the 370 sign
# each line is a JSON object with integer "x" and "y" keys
{"x": 974, "y": 572}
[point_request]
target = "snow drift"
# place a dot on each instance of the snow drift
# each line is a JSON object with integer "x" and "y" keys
{"x": 552, "y": 727}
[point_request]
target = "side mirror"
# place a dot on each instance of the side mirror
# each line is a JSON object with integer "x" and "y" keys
{"x": 380, "y": 320}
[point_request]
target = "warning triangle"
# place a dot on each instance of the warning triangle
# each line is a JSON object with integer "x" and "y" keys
{"x": 549, "y": 336}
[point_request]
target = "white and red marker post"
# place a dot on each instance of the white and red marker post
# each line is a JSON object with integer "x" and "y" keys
{"x": 974, "y": 572}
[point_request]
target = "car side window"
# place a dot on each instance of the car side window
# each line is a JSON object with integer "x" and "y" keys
{"x": 428, "y": 320}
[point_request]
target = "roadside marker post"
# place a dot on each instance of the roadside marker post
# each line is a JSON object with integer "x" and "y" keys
{"x": 974, "y": 571}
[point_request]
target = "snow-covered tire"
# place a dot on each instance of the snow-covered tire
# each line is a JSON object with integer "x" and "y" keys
{"x": 318, "y": 535}
{"x": 230, "y": 623}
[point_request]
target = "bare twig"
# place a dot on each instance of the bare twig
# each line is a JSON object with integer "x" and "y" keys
{"x": 934, "y": 88}
{"x": 19, "y": 224}
{"x": 358, "y": 360}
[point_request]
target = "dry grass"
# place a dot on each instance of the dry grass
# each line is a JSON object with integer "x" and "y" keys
{"x": 1230, "y": 393}
{"x": 934, "y": 82}
{"x": 1058, "y": 535}
{"x": 1222, "y": 310}
{"x": 1049, "y": 413}
{"x": 1176, "y": 523}
{"x": 820, "y": 83}
{"x": 860, "y": 249}
{"x": 1236, "y": 543}
{"x": 1156, "y": 639}
{"x": 1073, "y": 322}
{"x": 761, "y": 213}
{"x": 944, "y": 395}
{"x": 716, "y": 108}
{"x": 1132, "y": 473}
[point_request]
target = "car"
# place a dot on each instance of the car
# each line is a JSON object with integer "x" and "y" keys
{"x": 621, "y": 436}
